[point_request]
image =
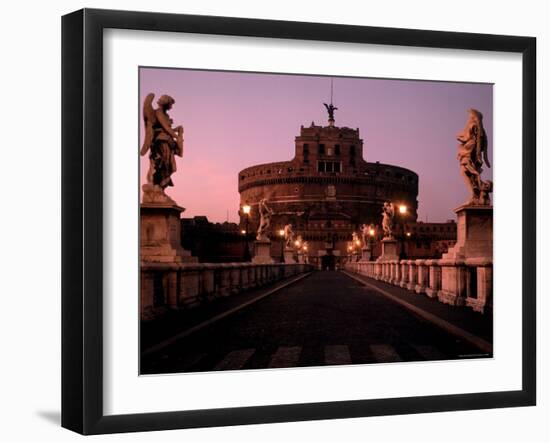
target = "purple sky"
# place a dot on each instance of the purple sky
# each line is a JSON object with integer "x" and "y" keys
{"x": 234, "y": 120}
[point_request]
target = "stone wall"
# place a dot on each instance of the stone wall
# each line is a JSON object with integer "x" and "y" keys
{"x": 165, "y": 286}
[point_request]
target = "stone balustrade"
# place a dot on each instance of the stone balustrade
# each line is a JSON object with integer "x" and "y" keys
{"x": 459, "y": 283}
{"x": 166, "y": 286}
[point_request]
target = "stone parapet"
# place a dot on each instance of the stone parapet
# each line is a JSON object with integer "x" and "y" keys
{"x": 453, "y": 281}
{"x": 185, "y": 285}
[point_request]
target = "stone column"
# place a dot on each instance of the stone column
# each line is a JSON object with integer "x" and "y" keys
{"x": 422, "y": 277}
{"x": 411, "y": 285}
{"x": 404, "y": 273}
{"x": 453, "y": 282}
{"x": 434, "y": 285}
{"x": 482, "y": 299}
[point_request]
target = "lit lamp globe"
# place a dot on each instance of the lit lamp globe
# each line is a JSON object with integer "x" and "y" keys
{"x": 402, "y": 209}
{"x": 246, "y": 209}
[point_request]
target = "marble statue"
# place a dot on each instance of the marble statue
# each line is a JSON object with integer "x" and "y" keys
{"x": 289, "y": 236}
{"x": 472, "y": 156}
{"x": 265, "y": 220}
{"x": 388, "y": 212}
{"x": 355, "y": 239}
{"x": 365, "y": 232}
{"x": 162, "y": 142}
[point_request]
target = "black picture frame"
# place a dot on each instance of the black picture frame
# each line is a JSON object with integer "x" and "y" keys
{"x": 82, "y": 217}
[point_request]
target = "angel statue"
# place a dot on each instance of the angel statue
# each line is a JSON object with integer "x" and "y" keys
{"x": 388, "y": 213}
{"x": 472, "y": 155}
{"x": 330, "y": 109}
{"x": 265, "y": 220}
{"x": 289, "y": 236}
{"x": 161, "y": 141}
{"x": 355, "y": 239}
{"x": 366, "y": 232}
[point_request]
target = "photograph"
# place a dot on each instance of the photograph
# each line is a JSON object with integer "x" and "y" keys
{"x": 297, "y": 220}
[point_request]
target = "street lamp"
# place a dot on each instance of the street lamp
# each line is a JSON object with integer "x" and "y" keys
{"x": 282, "y": 235}
{"x": 403, "y": 210}
{"x": 246, "y": 211}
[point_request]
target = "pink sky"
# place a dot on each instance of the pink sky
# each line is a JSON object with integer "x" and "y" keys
{"x": 234, "y": 120}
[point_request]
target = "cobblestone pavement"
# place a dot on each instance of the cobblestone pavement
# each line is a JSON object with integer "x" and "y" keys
{"x": 325, "y": 319}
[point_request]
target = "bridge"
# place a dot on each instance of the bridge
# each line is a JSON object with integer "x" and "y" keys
{"x": 311, "y": 318}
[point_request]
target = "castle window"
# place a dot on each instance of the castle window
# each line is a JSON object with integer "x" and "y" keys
{"x": 306, "y": 149}
{"x": 352, "y": 163}
{"x": 321, "y": 166}
{"x": 321, "y": 149}
{"x": 330, "y": 151}
{"x": 352, "y": 150}
{"x": 337, "y": 149}
{"x": 329, "y": 167}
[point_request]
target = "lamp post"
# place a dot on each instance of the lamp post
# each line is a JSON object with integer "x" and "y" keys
{"x": 372, "y": 233}
{"x": 282, "y": 235}
{"x": 246, "y": 212}
{"x": 403, "y": 210}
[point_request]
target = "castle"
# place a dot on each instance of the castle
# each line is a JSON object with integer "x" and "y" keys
{"x": 327, "y": 190}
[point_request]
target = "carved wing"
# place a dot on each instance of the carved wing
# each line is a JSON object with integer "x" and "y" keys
{"x": 149, "y": 119}
{"x": 483, "y": 140}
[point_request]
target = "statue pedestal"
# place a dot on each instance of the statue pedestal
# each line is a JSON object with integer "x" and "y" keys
{"x": 289, "y": 255}
{"x": 366, "y": 254}
{"x": 474, "y": 233}
{"x": 474, "y": 242}
{"x": 389, "y": 250}
{"x": 262, "y": 252}
{"x": 160, "y": 234}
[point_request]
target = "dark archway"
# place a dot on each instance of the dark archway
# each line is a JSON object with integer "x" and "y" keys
{"x": 328, "y": 262}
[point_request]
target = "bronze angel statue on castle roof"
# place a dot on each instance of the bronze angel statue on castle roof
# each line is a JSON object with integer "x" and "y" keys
{"x": 161, "y": 141}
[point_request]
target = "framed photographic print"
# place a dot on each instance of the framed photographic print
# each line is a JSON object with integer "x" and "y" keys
{"x": 270, "y": 221}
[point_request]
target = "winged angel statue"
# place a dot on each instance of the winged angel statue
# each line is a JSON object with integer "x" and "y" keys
{"x": 472, "y": 155}
{"x": 161, "y": 141}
